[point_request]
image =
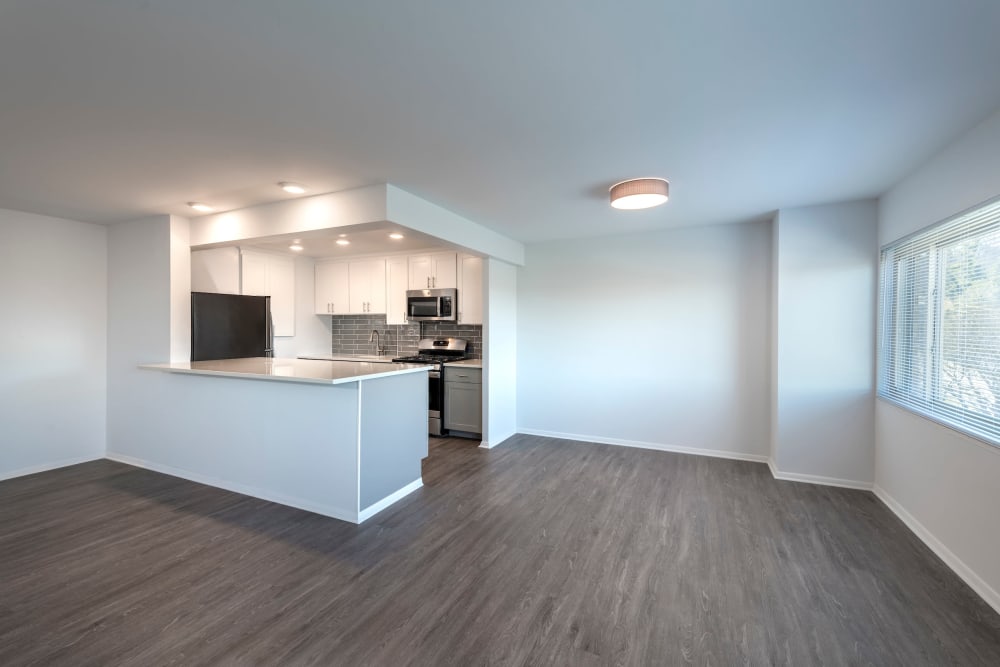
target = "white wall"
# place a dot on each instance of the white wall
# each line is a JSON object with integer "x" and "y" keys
{"x": 52, "y": 342}
{"x": 180, "y": 289}
{"x": 946, "y": 485}
{"x": 500, "y": 346}
{"x": 825, "y": 266}
{"x": 658, "y": 340}
{"x": 143, "y": 295}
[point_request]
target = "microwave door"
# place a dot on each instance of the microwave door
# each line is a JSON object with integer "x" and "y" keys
{"x": 423, "y": 306}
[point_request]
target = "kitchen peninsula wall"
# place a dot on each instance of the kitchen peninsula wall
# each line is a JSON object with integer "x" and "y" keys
{"x": 351, "y": 334}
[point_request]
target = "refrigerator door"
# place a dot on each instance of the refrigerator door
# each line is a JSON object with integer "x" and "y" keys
{"x": 230, "y": 326}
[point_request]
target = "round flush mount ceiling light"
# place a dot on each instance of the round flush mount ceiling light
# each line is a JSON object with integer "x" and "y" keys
{"x": 296, "y": 246}
{"x": 201, "y": 208}
{"x": 343, "y": 242}
{"x": 292, "y": 188}
{"x": 640, "y": 193}
{"x": 395, "y": 236}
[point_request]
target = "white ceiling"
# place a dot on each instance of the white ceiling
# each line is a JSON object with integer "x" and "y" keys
{"x": 516, "y": 114}
{"x": 364, "y": 239}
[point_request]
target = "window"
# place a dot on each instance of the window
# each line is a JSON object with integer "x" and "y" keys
{"x": 939, "y": 322}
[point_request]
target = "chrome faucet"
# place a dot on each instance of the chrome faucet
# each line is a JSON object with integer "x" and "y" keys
{"x": 374, "y": 337}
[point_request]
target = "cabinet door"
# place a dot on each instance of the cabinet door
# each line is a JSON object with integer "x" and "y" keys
{"x": 376, "y": 286}
{"x": 332, "y": 288}
{"x": 274, "y": 276}
{"x": 470, "y": 289}
{"x": 463, "y": 406}
{"x": 216, "y": 270}
{"x": 397, "y": 280}
{"x": 281, "y": 286}
{"x": 420, "y": 271}
{"x": 443, "y": 272}
{"x": 367, "y": 286}
{"x": 253, "y": 271}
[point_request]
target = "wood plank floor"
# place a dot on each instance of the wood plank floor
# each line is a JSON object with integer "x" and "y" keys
{"x": 540, "y": 552}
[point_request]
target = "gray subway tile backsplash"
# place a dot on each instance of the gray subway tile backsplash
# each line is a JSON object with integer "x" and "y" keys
{"x": 351, "y": 334}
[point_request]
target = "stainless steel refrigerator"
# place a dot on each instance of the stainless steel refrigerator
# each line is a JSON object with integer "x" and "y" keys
{"x": 230, "y": 326}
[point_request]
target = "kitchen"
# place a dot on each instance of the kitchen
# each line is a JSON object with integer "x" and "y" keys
{"x": 220, "y": 456}
{"x": 376, "y": 294}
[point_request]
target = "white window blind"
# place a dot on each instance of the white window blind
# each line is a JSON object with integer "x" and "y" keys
{"x": 939, "y": 322}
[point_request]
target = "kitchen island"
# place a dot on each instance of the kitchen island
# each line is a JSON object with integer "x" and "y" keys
{"x": 340, "y": 438}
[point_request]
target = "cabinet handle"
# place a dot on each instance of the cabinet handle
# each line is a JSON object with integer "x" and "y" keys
{"x": 434, "y": 281}
{"x": 328, "y": 308}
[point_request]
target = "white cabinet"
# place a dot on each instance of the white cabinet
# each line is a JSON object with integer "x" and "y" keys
{"x": 433, "y": 271}
{"x": 350, "y": 288}
{"x": 470, "y": 289}
{"x": 262, "y": 274}
{"x": 366, "y": 281}
{"x": 332, "y": 288}
{"x": 397, "y": 281}
{"x": 216, "y": 270}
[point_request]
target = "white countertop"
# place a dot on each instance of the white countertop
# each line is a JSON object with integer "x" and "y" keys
{"x": 468, "y": 363}
{"x": 373, "y": 358}
{"x": 313, "y": 371}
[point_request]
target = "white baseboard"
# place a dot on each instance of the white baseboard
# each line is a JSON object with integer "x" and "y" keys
{"x": 499, "y": 440}
{"x": 375, "y": 508}
{"x": 958, "y": 566}
{"x": 246, "y": 490}
{"x": 44, "y": 467}
{"x": 716, "y": 453}
{"x": 817, "y": 479}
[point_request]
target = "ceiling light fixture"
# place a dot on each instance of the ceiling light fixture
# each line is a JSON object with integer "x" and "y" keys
{"x": 292, "y": 188}
{"x": 343, "y": 242}
{"x": 395, "y": 236}
{"x": 296, "y": 246}
{"x": 201, "y": 208}
{"x": 640, "y": 193}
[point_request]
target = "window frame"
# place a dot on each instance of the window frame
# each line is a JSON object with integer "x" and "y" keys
{"x": 930, "y": 406}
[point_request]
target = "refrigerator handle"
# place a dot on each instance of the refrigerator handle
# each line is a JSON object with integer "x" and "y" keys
{"x": 269, "y": 343}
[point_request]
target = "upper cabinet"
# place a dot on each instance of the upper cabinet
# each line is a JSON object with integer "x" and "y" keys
{"x": 397, "y": 282}
{"x": 216, "y": 270}
{"x": 470, "y": 289}
{"x": 332, "y": 288}
{"x": 366, "y": 280}
{"x": 433, "y": 271}
{"x": 262, "y": 274}
{"x": 350, "y": 288}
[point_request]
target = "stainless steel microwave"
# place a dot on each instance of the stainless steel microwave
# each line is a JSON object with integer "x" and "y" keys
{"x": 431, "y": 305}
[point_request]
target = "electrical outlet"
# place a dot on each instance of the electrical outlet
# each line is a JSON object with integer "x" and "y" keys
{"x": 412, "y": 331}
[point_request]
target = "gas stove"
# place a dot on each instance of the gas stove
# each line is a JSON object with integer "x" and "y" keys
{"x": 437, "y": 351}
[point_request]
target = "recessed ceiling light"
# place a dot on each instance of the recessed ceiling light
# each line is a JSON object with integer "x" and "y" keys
{"x": 201, "y": 208}
{"x": 292, "y": 188}
{"x": 396, "y": 236}
{"x": 343, "y": 242}
{"x": 342, "y": 235}
{"x": 640, "y": 193}
{"x": 296, "y": 246}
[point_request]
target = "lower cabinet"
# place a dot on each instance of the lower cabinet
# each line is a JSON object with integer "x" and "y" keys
{"x": 463, "y": 399}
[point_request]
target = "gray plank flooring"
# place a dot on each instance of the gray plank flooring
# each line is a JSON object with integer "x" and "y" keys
{"x": 540, "y": 552}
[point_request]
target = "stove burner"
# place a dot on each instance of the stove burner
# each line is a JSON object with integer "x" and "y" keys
{"x": 429, "y": 358}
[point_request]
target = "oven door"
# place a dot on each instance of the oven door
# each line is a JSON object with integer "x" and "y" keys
{"x": 435, "y": 405}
